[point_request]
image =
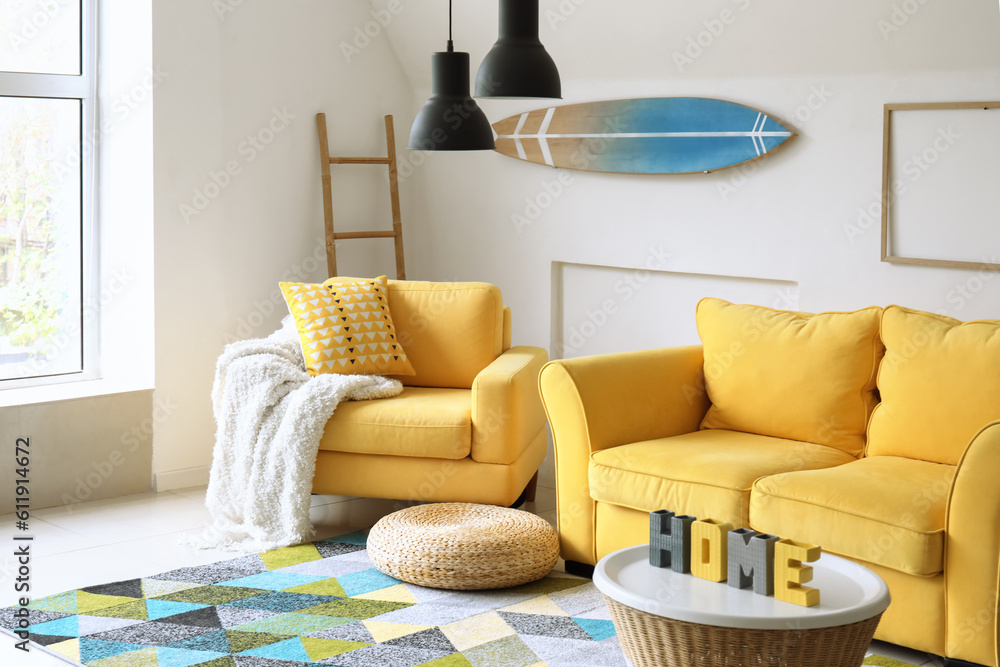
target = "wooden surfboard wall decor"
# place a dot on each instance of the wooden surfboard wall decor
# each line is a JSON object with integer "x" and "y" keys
{"x": 660, "y": 135}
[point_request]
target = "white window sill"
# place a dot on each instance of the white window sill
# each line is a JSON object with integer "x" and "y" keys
{"x": 68, "y": 390}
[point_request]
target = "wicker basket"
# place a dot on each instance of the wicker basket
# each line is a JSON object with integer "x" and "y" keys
{"x": 463, "y": 546}
{"x": 656, "y": 641}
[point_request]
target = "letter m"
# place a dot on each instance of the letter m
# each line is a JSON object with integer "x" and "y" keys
{"x": 751, "y": 560}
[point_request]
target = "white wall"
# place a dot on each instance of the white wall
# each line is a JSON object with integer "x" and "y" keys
{"x": 826, "y": 69}
{"x": 223, "y": 240}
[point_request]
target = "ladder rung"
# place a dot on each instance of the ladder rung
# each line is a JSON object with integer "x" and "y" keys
{"x": 364, "y": 235}
{"x": 359, "y": 160}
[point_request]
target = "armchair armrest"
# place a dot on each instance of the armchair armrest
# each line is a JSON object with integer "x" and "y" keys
{"x": 507, "y": 412}
{"x": 607, "y": 400}
{"x": 972, "y": 552}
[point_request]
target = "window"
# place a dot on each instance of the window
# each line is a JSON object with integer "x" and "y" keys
{"x": 48, "y": 114}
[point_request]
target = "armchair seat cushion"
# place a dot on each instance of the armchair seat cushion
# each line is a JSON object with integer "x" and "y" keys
{"x": 885, "y": 510}
{"x": 422, "y": 422}
{"x": 706, "y": 473}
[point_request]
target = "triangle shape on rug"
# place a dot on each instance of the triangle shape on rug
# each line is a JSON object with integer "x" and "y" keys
{"x": 366, "y": 581}
{"x": 135, "y": 610}
{"x": 274, "y": 581}
{"x": 178, "y": 657}
{"x": 561, "y": 627}
{"x": 131, "y": 588}
{"x": 210, "y": 642}
{"x": 144, "y": 656}
{"x": 278, "y": 558}
{"x": 91, "y": 625}
{"x": 157, "y": 609}
{"x": 61, "y": 627}
{"x": 398, "y": 593}
{"x": 64, "y": 603}
{"x": 235, "y": 616}
{"x": 290, "y": 649}
{"x": 431, "y": 639}
{"x": 354, "y": 608}
{"x": 355, "y": 631}
{"x": 87, "y": 603}
{"x": 154, "y": 588}
{"x": 477, "y": 630}
{"x": 205, "y": 617}
{"x": 542, "y": 605}
{"x": 240, "y": 642}
{"x": 321, "y": 649}
{"x": 69, "y": 648}
{"x": 292, "y": 624}
{"x": 512, "y": 648}
{"x": 598, "y": 628}
{"x": 328, "y": 586}
{"x": 97, "y": 649}
{"x": 384, "y": 632}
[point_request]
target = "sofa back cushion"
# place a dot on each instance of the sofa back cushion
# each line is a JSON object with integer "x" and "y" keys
{"x": 450, "y": 331}
{"x": 798, "y": 376}
{"x": 940, "y": 384}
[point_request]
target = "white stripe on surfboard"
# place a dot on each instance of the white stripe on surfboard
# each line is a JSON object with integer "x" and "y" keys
{"x": 635, "y": 135}
{"x": 546, "y": 153}
{"x": 517, "y": 130}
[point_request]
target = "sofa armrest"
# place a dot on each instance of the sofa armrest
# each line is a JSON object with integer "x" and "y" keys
{"x": 972, "y": 552}
{"x": 507, "y": 412}
{"x": 607, "y": 400}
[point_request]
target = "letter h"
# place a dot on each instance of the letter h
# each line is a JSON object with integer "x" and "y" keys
{"x": 670, "y": 540}
{"x": 751, "y": 560}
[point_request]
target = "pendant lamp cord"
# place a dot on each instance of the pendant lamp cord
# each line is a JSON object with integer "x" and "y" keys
{"x": 451, "y": 45}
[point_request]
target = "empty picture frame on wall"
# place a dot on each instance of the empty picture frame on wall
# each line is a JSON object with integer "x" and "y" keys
{"x": 941, "y": 184}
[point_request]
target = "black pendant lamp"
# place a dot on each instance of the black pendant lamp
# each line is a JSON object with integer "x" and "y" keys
{"x": 518, "y": 65}
{"x": 451, "y": 120}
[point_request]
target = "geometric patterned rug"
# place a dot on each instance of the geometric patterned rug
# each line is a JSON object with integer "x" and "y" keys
{"x": 320, "y": 604}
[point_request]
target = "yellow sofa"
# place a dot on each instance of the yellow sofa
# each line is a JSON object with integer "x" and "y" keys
{"x": 469, "y": 426}
{"x": 874, "y": 434}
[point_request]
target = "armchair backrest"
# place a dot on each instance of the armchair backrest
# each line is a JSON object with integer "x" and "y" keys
{"x": 450, "y": 331}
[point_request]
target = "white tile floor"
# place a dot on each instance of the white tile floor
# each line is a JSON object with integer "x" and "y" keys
{"x": 134, "y": 536}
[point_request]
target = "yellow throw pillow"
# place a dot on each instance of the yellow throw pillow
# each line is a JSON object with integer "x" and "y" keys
{"x": 940, "y": 384}
{"x": 799, "y": 376}
{"x": 345, "y": 327}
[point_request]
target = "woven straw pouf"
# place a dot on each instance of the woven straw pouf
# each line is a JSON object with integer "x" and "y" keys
{"x": 463, "y": 546}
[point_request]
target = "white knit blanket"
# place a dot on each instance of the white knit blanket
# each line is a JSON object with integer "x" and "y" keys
{"x": 270, "y": 416}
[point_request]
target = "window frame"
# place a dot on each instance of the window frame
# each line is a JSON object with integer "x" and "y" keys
{"x": 82, "y": 87}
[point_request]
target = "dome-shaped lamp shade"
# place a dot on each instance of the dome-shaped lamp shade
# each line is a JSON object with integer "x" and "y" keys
{"x": 518, "y": 65}
{"x": 451, "y": 120}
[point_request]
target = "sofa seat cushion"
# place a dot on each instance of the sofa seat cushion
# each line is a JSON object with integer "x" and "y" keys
{"x": 423, "y": 422}
{"x": 885, "y": 510}
{"x": 706, "y": 473}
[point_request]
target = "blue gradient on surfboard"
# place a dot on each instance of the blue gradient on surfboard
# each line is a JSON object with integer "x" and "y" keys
{"x": 660, "y": 155}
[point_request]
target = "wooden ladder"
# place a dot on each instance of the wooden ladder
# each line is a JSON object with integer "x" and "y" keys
{"x": 397, "y": 225}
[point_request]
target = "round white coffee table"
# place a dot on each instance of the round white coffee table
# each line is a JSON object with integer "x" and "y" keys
{"x": 666, "y": 618}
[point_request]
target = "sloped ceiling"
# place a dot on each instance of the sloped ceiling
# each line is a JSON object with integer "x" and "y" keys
{"x": 671, "y": 40}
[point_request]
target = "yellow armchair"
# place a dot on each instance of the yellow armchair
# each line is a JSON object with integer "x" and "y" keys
{"x": 469, "y": 426}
